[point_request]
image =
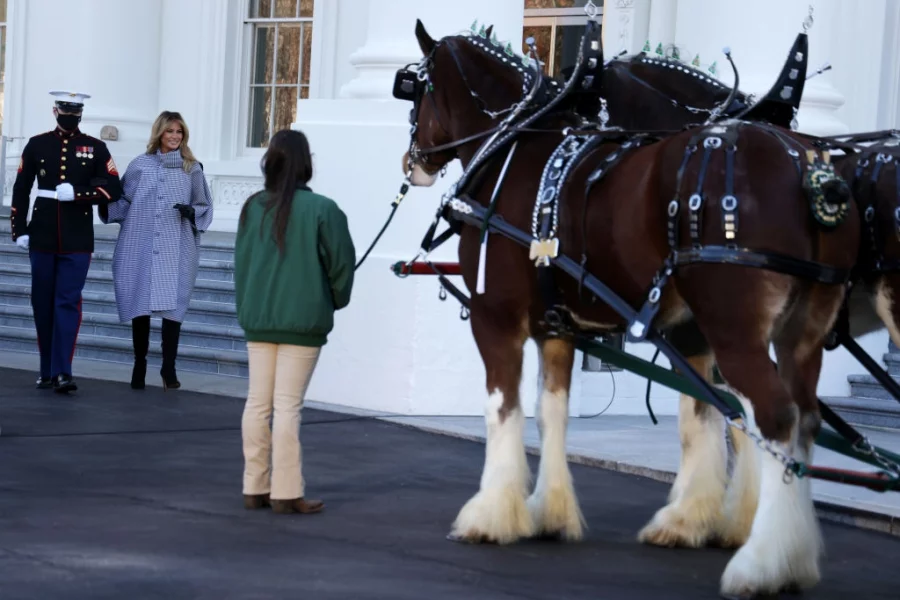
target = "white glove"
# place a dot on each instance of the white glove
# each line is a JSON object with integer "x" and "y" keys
{"x": 65, "y": 192}
{"x": 22, "y": 242}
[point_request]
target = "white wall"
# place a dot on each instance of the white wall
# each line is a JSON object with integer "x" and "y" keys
{"x": 889, "y": 103}
{"x": 857, "y": 71}
{"x": 113, "y": 61}
{"x": 407, "y": 351}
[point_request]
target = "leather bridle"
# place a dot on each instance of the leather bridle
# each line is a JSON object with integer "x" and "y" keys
{"x": 415, "y": 85}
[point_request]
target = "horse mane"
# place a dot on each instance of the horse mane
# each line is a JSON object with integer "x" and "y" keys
{"x": 689, "y": 73}
{"x": 502, "y": 53}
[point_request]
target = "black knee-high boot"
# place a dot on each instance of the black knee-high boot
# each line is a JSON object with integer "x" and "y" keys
{"x": 140, "y": 336}
{"x": 171, "y": 330}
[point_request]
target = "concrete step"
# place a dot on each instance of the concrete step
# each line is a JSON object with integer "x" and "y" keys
{"x": 213, "y": 245}
{"x": 866, "y": 386}
{"x": 220, "y": 314}
{"x": 892, "y": 361}
{"x": 214, "y": 270}
{"x": 872, "y": 412}
{"x": 97, "y": 347}
{"x": 102, "y": 281}
{"x": 199, "y": 335}
{"x": 211, "y": 340}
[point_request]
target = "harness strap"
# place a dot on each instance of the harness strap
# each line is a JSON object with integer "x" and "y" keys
{"x": 482, "y": 252}
{"x": 471, "y": 212}
{"x": 729, "y": 201}
{"x": 770, "y": 261}
{"x": 788, "y": 144}
{"x": 695, "y": 202}
{"x": 446, "y": 235}
{"x": 501, "y": 138}
{"x": 868, "y": 136}
{"x": 675, "y": 204}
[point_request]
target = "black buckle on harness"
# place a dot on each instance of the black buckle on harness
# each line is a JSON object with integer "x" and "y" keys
{"x": 639, "y": 327}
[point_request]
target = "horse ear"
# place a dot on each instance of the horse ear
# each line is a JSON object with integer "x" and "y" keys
{"x": 426, "y": 43}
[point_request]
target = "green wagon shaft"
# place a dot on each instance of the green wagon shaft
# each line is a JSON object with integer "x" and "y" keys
{"x": 882, "y": 480}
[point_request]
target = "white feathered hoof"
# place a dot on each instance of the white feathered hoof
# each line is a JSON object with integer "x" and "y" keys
{"x": 732, "y": 533}
{"x": 493, "y": 515}
{"x": 678, "y": 526}
{"x": 556, "y": 513}
{"x": 756, "y": 570}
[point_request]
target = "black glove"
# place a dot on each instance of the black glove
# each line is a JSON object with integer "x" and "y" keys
{"x": 187, "y": 212}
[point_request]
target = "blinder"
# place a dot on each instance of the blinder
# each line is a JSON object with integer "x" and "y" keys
{"x": 407, "y": 85}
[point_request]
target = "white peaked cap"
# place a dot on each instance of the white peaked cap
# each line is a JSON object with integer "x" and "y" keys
{"x": 69, "y": 97}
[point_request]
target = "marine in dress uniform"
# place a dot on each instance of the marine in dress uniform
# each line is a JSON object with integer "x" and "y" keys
{"x": 74, "y": 173}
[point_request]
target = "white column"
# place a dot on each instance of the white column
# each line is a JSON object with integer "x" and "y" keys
{"x": 760, "y": 34}
{"x": 625, "y": 25}
{"x": 391, "y": 42}
{"x": 106, "y": 48}
{"x": 198, "y": 29}
{"x": 663, "y": 14}
{"x": 408, "y": 351}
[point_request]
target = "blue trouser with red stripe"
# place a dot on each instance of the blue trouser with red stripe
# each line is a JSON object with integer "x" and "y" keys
{"x": 56, "y": 284}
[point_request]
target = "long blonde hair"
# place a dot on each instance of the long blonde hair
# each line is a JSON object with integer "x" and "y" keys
{"x": 156, "y": 133}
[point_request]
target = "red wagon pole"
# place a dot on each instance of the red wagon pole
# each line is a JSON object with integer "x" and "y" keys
{"x": 403, "y": 269}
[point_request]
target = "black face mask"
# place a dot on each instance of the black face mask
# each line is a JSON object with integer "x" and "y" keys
{"x": 68, "y": 122}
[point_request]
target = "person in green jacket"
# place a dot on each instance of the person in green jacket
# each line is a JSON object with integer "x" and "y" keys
{"x": 293, "y": 268}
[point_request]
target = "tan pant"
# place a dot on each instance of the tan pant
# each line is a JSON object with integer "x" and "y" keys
{"x": 279, "y": 377}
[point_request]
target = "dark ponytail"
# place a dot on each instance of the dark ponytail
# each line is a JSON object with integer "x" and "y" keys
{"x": 287, "y": 166}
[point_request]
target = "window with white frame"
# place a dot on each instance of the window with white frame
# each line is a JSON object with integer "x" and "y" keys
{"x": 280, "y": 38}
{"x": 2, "y": 59}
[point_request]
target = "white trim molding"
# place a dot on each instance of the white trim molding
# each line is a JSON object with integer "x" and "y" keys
{"x": 322, "y": 64}
{"x": 14, "y": 90}
{"x": 229, "y": 194}
{"x": 625, "y": 25}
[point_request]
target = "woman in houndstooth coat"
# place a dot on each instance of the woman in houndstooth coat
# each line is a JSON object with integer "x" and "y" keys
{"x": 164, "y": 207}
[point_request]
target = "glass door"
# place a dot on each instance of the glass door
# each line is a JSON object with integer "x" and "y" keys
{"x": 557, "y": 27}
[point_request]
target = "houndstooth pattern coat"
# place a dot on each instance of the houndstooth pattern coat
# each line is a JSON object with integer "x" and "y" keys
{"x": 157, "y": 253}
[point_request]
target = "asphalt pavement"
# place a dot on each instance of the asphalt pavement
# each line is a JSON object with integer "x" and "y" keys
{"x": 113, "y": 493}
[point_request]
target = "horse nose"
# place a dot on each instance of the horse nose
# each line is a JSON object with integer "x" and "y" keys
{"x": 405, "y": 165}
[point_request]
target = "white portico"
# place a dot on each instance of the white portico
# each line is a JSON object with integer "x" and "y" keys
{"x": 240, "y": 69}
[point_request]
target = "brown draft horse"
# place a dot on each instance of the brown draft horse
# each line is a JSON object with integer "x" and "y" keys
{"x": 874, "y": 175}
{"x": 646, "y": 92}
{"x": 619, "y": 229}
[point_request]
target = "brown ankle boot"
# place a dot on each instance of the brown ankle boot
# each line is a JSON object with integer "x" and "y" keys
{"x": 297, "y": 505}
{"x": 256, "y": 501}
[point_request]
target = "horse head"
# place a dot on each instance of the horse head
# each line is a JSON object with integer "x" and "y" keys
{"x": 460, "y": 90}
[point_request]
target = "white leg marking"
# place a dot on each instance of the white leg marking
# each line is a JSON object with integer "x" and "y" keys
{"x": 785, "y": 541}
{"x": 743, "y": 493}
{"x": 697, "y": 496}
{"x": 884, "y": 302}
{"x": 553, "y": 505}
{"x": 497, "y": 513}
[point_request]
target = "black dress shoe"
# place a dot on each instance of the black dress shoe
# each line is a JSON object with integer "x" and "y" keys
{"x": 65, "y": 385}
{"x": 46, "y": 383}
